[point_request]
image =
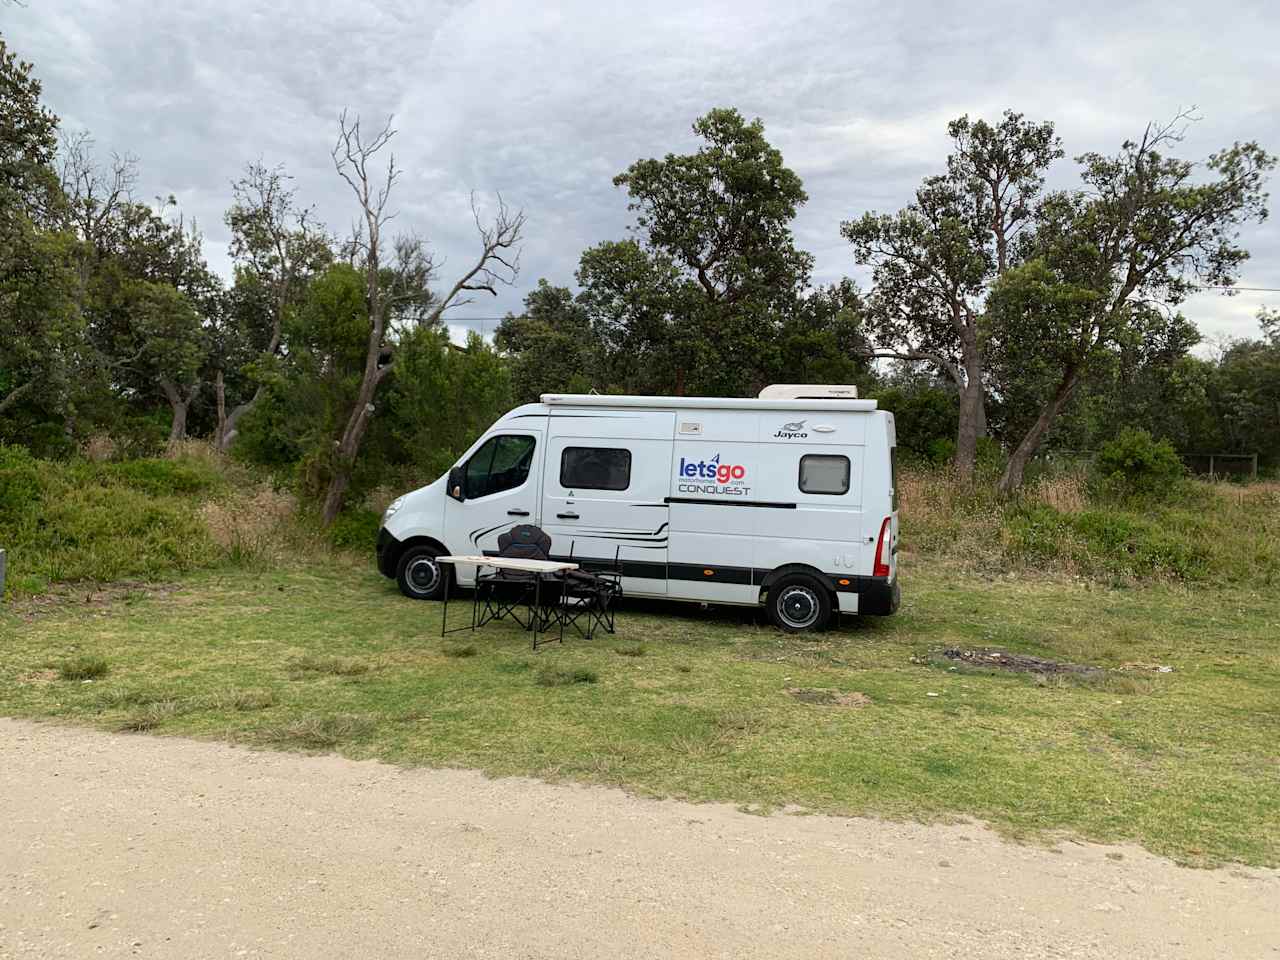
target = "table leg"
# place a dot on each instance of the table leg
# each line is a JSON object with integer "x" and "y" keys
{"x": 537, "y": 607}
{"x": 446, "y": 570}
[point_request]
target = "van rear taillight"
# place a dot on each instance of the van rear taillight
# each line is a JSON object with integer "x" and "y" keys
{"x": 884, "y": 549}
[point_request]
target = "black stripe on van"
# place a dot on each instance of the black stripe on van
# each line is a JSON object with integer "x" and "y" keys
{"x": 739, "y": 576}
{"x": 709, "y": 573}
{"x": 733, "y": 503}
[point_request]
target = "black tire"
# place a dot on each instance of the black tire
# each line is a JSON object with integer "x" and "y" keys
{"x": 418, "y": 574}
{"x": 799, "y": 603}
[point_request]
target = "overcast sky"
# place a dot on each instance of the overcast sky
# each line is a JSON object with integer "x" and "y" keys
{"x": 546, "y": 101}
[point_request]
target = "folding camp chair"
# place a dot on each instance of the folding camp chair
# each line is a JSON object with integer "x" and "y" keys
{"x": 514, "y": 593}
{"x": 589, "y": 596}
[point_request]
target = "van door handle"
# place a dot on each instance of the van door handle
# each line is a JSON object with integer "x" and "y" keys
{"x": 517, "y": 513}
{"x": 566, "y": 516}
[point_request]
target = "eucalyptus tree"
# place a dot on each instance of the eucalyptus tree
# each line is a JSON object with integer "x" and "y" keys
{"x": 1102, "y": 262}
{"x": 277, "y": 247}
{"x": 712, "y": 268}
{"x": 39, "y": 330}
{"x": 934, "y": 262}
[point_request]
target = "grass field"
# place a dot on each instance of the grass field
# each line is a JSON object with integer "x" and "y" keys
{"x": 715, "y": 705}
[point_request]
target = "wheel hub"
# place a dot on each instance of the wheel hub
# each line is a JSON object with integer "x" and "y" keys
{"x": 798, "y": 607}
{"x": 423, "y": 574}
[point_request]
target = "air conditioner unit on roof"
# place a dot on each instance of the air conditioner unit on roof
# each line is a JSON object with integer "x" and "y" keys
{"x": 809, "y": 391}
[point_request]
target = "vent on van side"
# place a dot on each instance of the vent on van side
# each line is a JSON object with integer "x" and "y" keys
{"x": 809, "y": 391}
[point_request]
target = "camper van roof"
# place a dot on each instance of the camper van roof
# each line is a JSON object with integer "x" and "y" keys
{"x": 704, "y": 403}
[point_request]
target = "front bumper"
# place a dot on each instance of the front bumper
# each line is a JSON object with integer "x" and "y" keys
{"x": 388, "y": 552}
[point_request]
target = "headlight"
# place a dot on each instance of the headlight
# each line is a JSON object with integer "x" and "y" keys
{"x": 396, "y": 504}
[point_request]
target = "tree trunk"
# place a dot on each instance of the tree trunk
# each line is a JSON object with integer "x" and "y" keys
{"x": 337, "y": 492}
{"x": 178, "y": 428}
{"x": 1012, "y": 477}
{"x": 973, "y": 417}
{"x": 179, "y": 403}
{"x": 967, "y": 433}
{"x": 232, "y": 429}
{"x": 345, "y": 455}
{"x": 220, "y": 395}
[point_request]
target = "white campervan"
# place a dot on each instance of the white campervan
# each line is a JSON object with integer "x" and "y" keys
{"x": 787, "y": 499}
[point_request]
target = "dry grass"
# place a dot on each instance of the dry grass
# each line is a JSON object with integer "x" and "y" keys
{"x": 190, "y": 449}
{"x": 1065, "y": 492}
{"x": 337, "y": 666}
{"x": 317, "y": 732}
{"x": 250, "y": 525}
{"x": 1265, "y": 493}
{"x": 99, "y": 448}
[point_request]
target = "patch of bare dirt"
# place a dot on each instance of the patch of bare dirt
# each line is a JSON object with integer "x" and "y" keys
{"x": 86, "y": 594}
{"x": 829, "y": 698}
{"x": 1018, "y": 662}
{"x": 39, "y": 676}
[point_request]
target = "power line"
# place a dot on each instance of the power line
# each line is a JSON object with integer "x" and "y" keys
{"x": 1223, "y": 286}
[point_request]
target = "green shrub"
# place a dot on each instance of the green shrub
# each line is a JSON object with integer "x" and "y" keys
{"x": 162, "y": 477}
{"x": 940, "y": 450}
{"x": 1036, "y": 532}
{"x": 1136, "y": 463}
{"x": 355, "y": 529}
{"x": 88, "y": 521}
{"x": 19, "y": 486}
{"x": 1109, "y": 541}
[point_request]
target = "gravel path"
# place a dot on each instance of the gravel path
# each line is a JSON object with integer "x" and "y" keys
{"x": 129, "y": 845}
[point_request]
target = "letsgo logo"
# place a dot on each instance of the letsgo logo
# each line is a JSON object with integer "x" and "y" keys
{"x": 712, "y": 476}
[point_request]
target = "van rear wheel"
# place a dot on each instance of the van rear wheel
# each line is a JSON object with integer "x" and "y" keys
{"x": 419, "y": 575}
{"x": 798, "y": 603}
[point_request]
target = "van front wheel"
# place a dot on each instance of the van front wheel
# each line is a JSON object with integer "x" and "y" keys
{"x": 799, "y": 602}
{"x": 419, "y": 575}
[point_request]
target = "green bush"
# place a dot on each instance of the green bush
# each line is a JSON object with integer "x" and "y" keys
{"x": 1036, "y": 532}
{"x": 89, "y": 521}
{"x": 163, "y": 477}
{"x": 19, "y": 486}
{"x": 1107, "y": 541}
{"x": 940, "y": 450}
{"x": 355, "y": 529}
{"x": 1136, "y": 463}
{"x": 140, "y": 436}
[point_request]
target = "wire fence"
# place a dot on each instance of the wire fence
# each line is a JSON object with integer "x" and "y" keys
{"x": 1205, "y": 464}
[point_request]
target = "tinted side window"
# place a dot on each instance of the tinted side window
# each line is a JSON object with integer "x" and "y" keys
{"x": 893, "y": 474}
{"x": 501, "y": 463}
{"x": 595, "y": 468}
{"x": 822, "y": 473}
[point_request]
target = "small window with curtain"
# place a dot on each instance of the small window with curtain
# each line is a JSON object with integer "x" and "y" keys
{"x": 823, "y": 473}
{"x": 595, "y": 468}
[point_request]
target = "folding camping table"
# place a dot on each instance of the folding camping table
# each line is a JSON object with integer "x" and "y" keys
{"x": 538, "y": 568}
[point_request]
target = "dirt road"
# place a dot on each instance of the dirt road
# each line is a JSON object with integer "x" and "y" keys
{"x": 129, "y": 845}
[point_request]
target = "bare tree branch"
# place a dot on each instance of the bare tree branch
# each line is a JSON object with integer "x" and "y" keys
{"x": 503, "y": 233}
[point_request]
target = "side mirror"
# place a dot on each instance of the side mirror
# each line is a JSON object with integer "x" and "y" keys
{"x": 456, "y": 485}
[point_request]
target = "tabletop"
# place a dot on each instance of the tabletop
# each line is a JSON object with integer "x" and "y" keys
{"x": 512, "y": 563}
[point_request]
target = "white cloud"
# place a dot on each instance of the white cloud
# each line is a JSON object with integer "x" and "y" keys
{"x": 545, "y": 102}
